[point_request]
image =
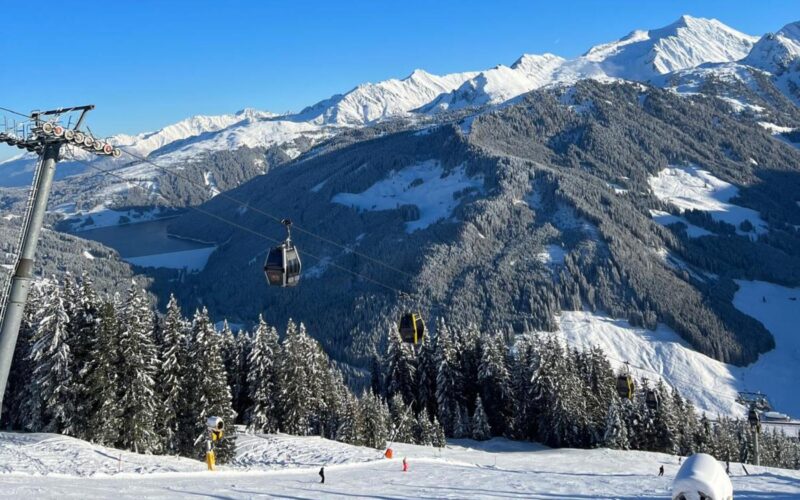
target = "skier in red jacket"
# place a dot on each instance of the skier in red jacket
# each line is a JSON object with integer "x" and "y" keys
{"x": 405, "y": 465}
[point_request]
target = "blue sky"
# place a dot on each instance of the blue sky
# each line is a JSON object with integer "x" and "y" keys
{"x": 149, "y": 63}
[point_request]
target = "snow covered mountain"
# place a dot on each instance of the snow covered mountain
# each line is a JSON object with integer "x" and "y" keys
{"x": 775, "y": 52}
{"x": 370, "y": 102}
{"x": 686, "y": 43}
{"x": 500, "y": 83}
{"x": 145, "y": 143}
{"x": 640, "y": 56}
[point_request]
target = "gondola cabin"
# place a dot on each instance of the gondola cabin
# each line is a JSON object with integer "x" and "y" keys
{"x": 282, "y": 266}
{"x": 412, "y": 328}
{"x": 625, "y": 386}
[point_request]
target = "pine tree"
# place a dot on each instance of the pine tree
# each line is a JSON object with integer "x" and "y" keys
{"x": 240, "y": 389}
{"x": 664, "y": 422}
{"x": 211, "y": 394}
{"x": 616, "y": 430}
{"x": 447, "y": 380}
{"x": 462, "y": 425}
{"x": 494, "y": 380}
{"x": 103, "y": 381}
{"x": 400, "y": 369}
{"x": 402, "y": 420}
{"x": 351, "y": 425}
{"x": 51, "y": 359}
{"x": 173, "y": 357}
{"x": 295, "y": 399}
{"x": 84, "y": 312}
{"x": 439, "y": 439}
{"x": 424, "y": 432}
{"x": 375, "y": 416}
{"x": 262, "y": 378}
{"x": 480, "y": 423}
{"x": 230, "y": 356}
{"x": 137, "y": 370}
{"x": 426, "y": 377}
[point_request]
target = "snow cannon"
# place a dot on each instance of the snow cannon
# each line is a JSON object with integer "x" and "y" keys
{"x": 215, "y": 427}
{"x": 701, "y": 477}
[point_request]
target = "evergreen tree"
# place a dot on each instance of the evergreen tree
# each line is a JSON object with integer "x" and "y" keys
{"x": 51, "y": 359}
{"x": 616, "y": 431}
{"x": 480, "y": 423}
{"x": 439, "y": 439}
{"x": 262, "y": 378}
{"x": 173, "y": 357}
{"x": 82, "y": 337}
{"x": 375, "y": 416}
{"x": 295, "y": 399}
{"x": 495, "y": 384}
{"x": 103, "y": 380}
{"x": 462, "y": 424}
{"x": 448, "y": 380}
{"x": 400, "y": 369}
{"x": 137, "y": 369}
{"x": 240, "y": 388}
{"x": 351, "y": 425}
{"x": 426, "y": 377}
{"x": 402, "y": 420}
{"x": 664, "y": 422}
{"x": 211, "y": 394}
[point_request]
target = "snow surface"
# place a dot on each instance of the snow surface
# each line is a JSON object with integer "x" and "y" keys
{"x": 424, "y": 185}
{"x": 692, "y": 188}
{"x": 191, "y": 260}
{"x": 278, "y": 466}
{"x": 710, "y": 384}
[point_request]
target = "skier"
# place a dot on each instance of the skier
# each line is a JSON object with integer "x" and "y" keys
{"x": 405, "y": 465}
{"x": 661, "y": 471}
{"x": 727, "y": 467}
{"x": 322, "y": 475}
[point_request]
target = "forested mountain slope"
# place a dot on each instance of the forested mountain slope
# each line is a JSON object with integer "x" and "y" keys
{"x": 505, "y": 219}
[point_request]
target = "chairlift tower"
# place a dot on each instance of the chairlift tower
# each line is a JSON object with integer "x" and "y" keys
{"x": 42, "y": 134}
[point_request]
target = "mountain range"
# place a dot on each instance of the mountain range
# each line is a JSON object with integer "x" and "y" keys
{"x": 653, "y": 179}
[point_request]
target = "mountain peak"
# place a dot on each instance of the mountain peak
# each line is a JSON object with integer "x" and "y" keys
{"x": 774, "y": 52}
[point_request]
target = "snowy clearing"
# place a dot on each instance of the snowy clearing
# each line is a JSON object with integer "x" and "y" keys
{"x": 666, "y": 219}
{"x": 710, "y": 384}
{"x": 692, "y": 188}
{"x": 464, "y": 469}
{"x": 191, "y": 260}
{"x": 423, "y": 185}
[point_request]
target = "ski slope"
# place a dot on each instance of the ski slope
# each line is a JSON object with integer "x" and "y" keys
{"x": 710, "y": 384}
{"x": 286, "y": 467}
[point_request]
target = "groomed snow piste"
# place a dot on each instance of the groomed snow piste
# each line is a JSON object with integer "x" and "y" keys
{"x": 47, "y": 466}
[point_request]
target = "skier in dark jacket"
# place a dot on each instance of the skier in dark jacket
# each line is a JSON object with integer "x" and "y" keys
{"x": 661, "y": 471}
{"x": 322, "y": 474}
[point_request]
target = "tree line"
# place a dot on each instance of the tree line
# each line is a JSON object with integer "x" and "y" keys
{"x": 532, "y": 387}
{"x": 117, "y": 373}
